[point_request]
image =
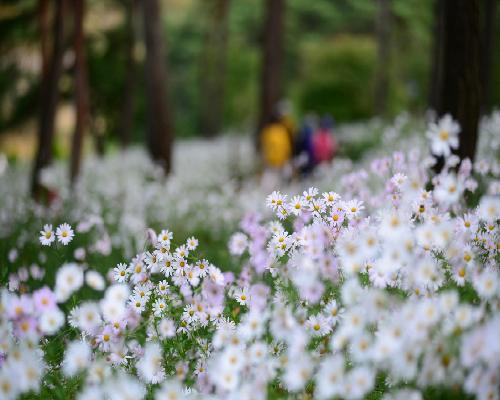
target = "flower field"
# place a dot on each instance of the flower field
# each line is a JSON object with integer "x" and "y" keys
{"x": 372, "y": 278}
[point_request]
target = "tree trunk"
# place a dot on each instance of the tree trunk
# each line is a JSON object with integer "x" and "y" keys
{"x": 81, "y": 90}
{"x": 488, "y": 16}
{"x": 49, "y": 99}
{"x": 272, "y": 63}
{"x": 213, "y": 73}
{"x": 44, "y": 29}
{"x": 158, "y": 110}
{"x": 127, "y": 115}
{"x": 383, "y": 29}
{"x": 459, "y": 93}
{"x": 437, "y": 54}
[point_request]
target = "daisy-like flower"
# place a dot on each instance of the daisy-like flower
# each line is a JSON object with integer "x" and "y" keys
{"x": 468, "y": 223}
{"x": 242, "y": 296}
{"x": 159, "y": 307}
{"x": 192, "y": 243}
{"x": 120, "y": 272}
{"x": 332, "y": 311}
{"x": 201, "y": 267}
{"x": 317, "y": 206}
{"x": 330, "y": 198}
{"x": 399, "y": 179}
{"x": 310, "y": 193}
{"x": 318, "y": 325}
{"x": 238, "y": 243}
{"x": 182, "y": 251}
{"x": 444, "y": 136}
{"x": 165, "y": 237}
{"x": 47, "y": 235}
{"x": 192, "y": 276}
{"x": 275, "y": 200}
{"x": 297, "y": 205}
{"x": 162, "y": 287}
{"x": 282, "y": 212}
{"x": 354, "y": 207}
{"x": 184, "y": 327}
{"x": 64, "y": 233}
{"x": 189, "y": 314}
{"x": 138, "y": 304}
{"x": 337, "y": 218}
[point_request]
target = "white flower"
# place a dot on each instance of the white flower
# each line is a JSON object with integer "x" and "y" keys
{"x": 486, "y": 283}
{"x": 149, "y": 367}
{"x": 9, "y": 389}
{"x": 298, "y": 371}
{"x": 124, "y": 386}
{"x": 448, "y": 190}
{"x": 95, "y": 280}
{"x": 88, "y": 317}
{"x": 297, "y": 205}
{"x": 120, "y": 272}
{"x": 318, "y": 325}
{"x": 238, "y": 243}
{"x": 330, "y": 377}
{"x": 68, "y": 280}
{"x": 192, "y": 243}
{"x": 444, "y": 136}
{"x": 242, "y": 296}
{"x": 489, "y": 208}
{"x": 361, "y": 381}
{"x": 216, "y": 275}
{"x": 159, "y": 307}
{"x": 51, "y": 321}
{"x": 76, "y": 357}
{"x": 275, "y": 200}
{"x": 170, "y": 390}
{"x": 47, "y": 235}
{"x": 64, "y": 233}
{"x": 166, "y": 328}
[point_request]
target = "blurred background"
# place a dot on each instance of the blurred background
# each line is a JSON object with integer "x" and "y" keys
{"x": 213, "y": 65}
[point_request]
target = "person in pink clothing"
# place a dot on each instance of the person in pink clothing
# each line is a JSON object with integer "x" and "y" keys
{"x": 324, "y": 144}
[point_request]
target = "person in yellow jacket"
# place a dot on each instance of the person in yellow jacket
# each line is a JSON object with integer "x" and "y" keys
{"x": 276, "y": 146}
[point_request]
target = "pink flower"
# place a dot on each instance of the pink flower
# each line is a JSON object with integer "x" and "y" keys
{"x": 25, "y": 327}
{"x": 20, "y": 306}
{"x": 106, "y": 338}
{"x": 44, "y": 299}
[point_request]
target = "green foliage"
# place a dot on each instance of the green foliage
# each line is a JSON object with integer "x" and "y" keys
{"x": 338, "y": 77}
{"x": 330, "y": 60}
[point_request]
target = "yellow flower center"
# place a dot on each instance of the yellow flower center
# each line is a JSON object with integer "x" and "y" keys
{"x": 444, "y": 135}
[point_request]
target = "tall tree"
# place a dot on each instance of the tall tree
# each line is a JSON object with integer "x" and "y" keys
{"x": 81, "y": 89}
{"x": 159, "y": 117}
{"x": 459, "y": 75}
{"x": 271, "y": 85}
{"x": 44, "y": 28}
{"x": 127, "y": 112}
{"x": 214, "y": 67}
{"x": 488, "y": 16}
{"x": 437, "y": 54}
{"x": 49, "y": 99}
{"x": 383, "y": 31}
